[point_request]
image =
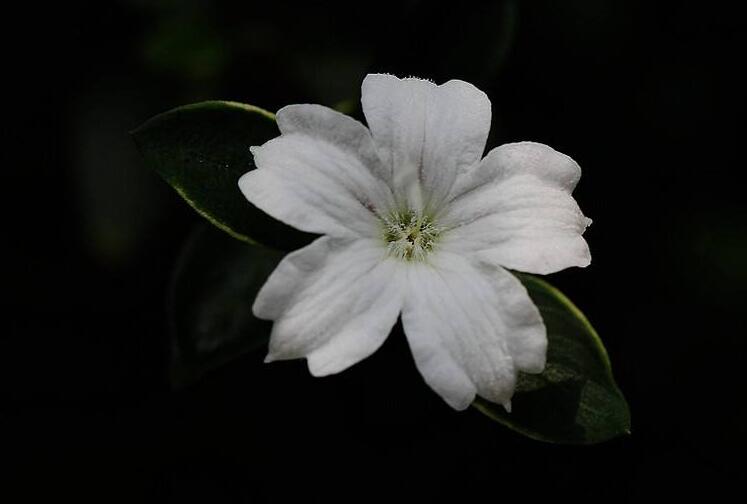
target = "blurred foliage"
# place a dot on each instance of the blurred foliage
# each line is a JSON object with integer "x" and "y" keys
{"x": 214, "y": 284}
{"x": 189, "y": 46}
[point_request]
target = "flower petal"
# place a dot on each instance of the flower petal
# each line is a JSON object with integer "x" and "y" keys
{"x": 471, "y": 326}
{"x": 322, "y": 175}
{"x": 334, "y": 302}
{"x": 427, "y": 134}
{"x": 516, "y": 210}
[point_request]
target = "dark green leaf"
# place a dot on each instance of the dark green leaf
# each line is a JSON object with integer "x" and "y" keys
{"x": 202, "y": 150}
{"x": 575, "y": 400}
{"x": 215, "y": 282}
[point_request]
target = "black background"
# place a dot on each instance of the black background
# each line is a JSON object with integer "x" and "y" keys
{"x": 648, "y": 97}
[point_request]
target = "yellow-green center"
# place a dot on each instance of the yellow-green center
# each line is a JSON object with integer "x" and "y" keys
{"x": 410, "y": 235}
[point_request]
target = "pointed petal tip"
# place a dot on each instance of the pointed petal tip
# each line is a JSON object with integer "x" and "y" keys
{"x": 507, "y": 406}
{"x": 461, "y": 404}
{"x": 369, "y": 78}
{"x": 536, "y": 366}
{"x": 316, "y": 368}
{"x": 378, "y": 75}
{"x": 319, "y": 369}
{"x": 288, "y": 111}
{"x": 586, "y": 259}
{"x": 242, "y": 182}
{"x": 451, "y": 82}
{"x": 283, "y": 110}
{"x": 466, "y": 85}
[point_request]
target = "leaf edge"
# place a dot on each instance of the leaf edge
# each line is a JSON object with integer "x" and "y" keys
{"x": 179, "y": 190}
{"x": 486, "y": 408}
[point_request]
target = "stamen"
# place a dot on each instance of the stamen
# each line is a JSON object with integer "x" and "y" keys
{"x": 410, "y": 235}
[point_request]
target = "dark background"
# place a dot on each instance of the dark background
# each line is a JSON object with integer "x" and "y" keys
{"x": 648, "y": 97}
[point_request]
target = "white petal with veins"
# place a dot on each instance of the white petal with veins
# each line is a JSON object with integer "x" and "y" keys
{"x": 321, "y": 175}
{"x": 334, "y": 302}
{"x": 426, "y": 133}
{"x": 471, "y": 327}
{"x": 515, "y": 210}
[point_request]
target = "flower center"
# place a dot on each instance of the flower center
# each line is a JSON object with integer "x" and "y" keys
{"x": 409, "y": 235}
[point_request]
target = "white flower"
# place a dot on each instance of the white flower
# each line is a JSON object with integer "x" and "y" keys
{"x": 415, "y": 224}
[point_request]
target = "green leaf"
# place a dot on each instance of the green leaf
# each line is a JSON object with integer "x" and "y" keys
{"x": 575, "y": 400}
{"x": 202, "y": 150}
{"x": 214, "y": 284}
